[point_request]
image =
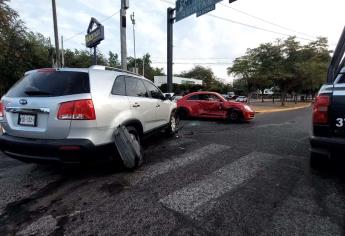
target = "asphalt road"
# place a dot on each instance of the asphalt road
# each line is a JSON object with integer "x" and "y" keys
{"x": 213, "y": 178}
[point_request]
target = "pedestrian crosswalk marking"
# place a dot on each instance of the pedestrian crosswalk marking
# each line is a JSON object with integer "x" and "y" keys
{"x": 151, "y": 171}
{"x": 188, "y": 199}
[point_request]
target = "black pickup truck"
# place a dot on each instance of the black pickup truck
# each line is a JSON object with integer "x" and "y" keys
{"x": 328, "y": 138}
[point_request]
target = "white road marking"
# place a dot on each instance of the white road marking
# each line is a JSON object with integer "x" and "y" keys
{"x": 149, "y": 172}
{"x": 188, "y": 199}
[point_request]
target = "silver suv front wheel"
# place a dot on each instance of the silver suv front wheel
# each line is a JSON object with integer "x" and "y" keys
{"x": 173, "y": 124}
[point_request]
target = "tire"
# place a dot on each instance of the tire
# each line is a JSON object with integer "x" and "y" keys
{"x": 173, "y": 124}
{"x": 318, "y": 161}
{"x": 234, "y": 116}
{"x": 139, "y": 160}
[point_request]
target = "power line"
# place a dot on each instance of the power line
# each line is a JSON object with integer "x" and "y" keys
{"x": 82, "y": 32}
{"x": 255, "y": 27}
{"x": 266, "y": 21}
{"x": 248, "y": 25}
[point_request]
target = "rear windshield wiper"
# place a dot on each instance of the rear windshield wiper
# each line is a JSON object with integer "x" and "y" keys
{"x": 36, "y": 92}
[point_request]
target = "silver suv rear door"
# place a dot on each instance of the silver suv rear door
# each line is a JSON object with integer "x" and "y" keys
{"x": 143, "y": 108}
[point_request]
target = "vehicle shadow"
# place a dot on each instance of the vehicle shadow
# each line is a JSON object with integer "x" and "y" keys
{"x": 217, "y": 120}
{"x": 331, "y": 169}
{"x": 103, "y": 165}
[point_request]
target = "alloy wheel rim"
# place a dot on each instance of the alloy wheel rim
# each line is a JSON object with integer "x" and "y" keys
{"x": 173, "y": 123}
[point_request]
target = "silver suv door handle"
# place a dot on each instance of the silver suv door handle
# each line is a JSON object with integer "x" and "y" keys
{"x": 136, "y": 105}
{"x": 158, "y": 105}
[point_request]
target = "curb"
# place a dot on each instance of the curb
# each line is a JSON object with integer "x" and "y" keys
{"x": 283, "y": 109}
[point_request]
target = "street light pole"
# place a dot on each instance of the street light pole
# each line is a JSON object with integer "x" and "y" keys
{"x": 62, "y": 53}
{"x": 56, "y": 35}
{"x": 124, "y": 7}
{"x": 135, "y": 56}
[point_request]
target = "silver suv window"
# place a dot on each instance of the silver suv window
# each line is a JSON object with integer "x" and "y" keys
{"x": 154, "y": 92}
{"x": 51, "y": 83}
{"x": 119, "y": 87}
{"x": 135, "y": 87}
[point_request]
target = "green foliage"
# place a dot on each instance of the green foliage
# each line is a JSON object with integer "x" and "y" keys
{"x": 182, "y": 88}
{"x": 82, "y": 58}
{"x": 210, "y": 82}
{"x": 113, "y": 60}
{"x": 287, "y": 64}
{"x": 149, "y": 71}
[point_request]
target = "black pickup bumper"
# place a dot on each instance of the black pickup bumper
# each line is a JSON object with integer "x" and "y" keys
{"x": 327, "y": 146}
{"x": 67, "y": 151}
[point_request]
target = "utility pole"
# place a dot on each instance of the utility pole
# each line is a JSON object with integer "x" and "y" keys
{"x": 124, "y": 7}
{"x": 56, "y": 35}
{"x": 135, "y": 56}
{"x": 170, "y": 24}
{"x": 62, "y": 53}
{"x": 144, "y": 66}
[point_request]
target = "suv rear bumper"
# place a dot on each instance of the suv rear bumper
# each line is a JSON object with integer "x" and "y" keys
{"x": 327, "y": 146}
{"x": 67, "y": 151}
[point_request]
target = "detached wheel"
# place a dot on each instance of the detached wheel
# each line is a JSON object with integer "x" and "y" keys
{"x": 173, "y": 124}
{"x": 234, "y": 116}
{"x": 136, "y": 141}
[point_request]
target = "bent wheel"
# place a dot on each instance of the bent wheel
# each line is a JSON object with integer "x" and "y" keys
{"x": 134, "y": 135}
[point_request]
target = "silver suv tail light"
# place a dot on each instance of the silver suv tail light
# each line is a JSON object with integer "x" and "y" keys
{"x": 77, "y": 110}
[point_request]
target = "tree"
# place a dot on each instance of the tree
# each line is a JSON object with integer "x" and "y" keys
{"x": 113, "y": 60}
{"x": 284, "y": 64}
{"x": 12, "y": 43}
{"x": 201, "y": 73}
{"x": 145, "y": 64}
{"x": 243, "y": 68}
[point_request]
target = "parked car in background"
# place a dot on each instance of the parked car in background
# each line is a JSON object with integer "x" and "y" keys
{"x": 66, "y": 115}
{"x": 175, "y": 98}
{"x": 241, "y": 99}
{"x": 213, "y": 105}
{"x": 232, "y": 97}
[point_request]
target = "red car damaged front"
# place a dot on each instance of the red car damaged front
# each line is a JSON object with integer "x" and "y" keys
{"x": 247, "y": 111}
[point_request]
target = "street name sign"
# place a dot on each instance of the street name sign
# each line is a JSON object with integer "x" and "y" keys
{"x": 185, "y": 8}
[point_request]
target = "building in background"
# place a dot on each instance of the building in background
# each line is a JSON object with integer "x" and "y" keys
{"x": 159, "y": 80}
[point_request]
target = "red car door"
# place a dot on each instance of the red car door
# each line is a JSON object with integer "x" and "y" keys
{"x": 211, "y": 106}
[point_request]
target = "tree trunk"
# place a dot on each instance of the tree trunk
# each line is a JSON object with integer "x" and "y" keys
{"x": 262, "y": 95}
{"x": 283, "y": 97}
{"x": 273, "y": 98}
{"x": 249, "y": 97}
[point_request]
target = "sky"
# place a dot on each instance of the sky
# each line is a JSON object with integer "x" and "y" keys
{"x": 213, "y": 40}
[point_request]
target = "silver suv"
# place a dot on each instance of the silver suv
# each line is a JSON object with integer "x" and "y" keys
{"x": 67, "y": 115}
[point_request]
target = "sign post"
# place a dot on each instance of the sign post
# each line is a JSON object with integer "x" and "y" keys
{"x": 95, "y": 34}
{"x": 184, "y": 8}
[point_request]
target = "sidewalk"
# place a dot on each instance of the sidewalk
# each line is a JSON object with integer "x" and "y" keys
{"x": 266, "y": 107}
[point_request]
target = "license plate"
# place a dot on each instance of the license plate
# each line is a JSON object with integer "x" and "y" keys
{"x": 27, "y": 119}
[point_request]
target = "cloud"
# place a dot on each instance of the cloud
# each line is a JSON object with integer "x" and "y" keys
{"x": 206, "y": 39}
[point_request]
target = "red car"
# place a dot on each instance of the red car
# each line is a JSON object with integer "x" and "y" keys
{"x": 213, "y": 105}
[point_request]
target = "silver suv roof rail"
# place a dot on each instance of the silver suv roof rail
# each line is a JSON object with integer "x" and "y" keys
{"x": 99, "y": 67}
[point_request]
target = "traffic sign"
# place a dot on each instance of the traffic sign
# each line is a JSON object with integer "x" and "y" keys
{"x": 205, "y": 10}
{"x": 185, "y": 8}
